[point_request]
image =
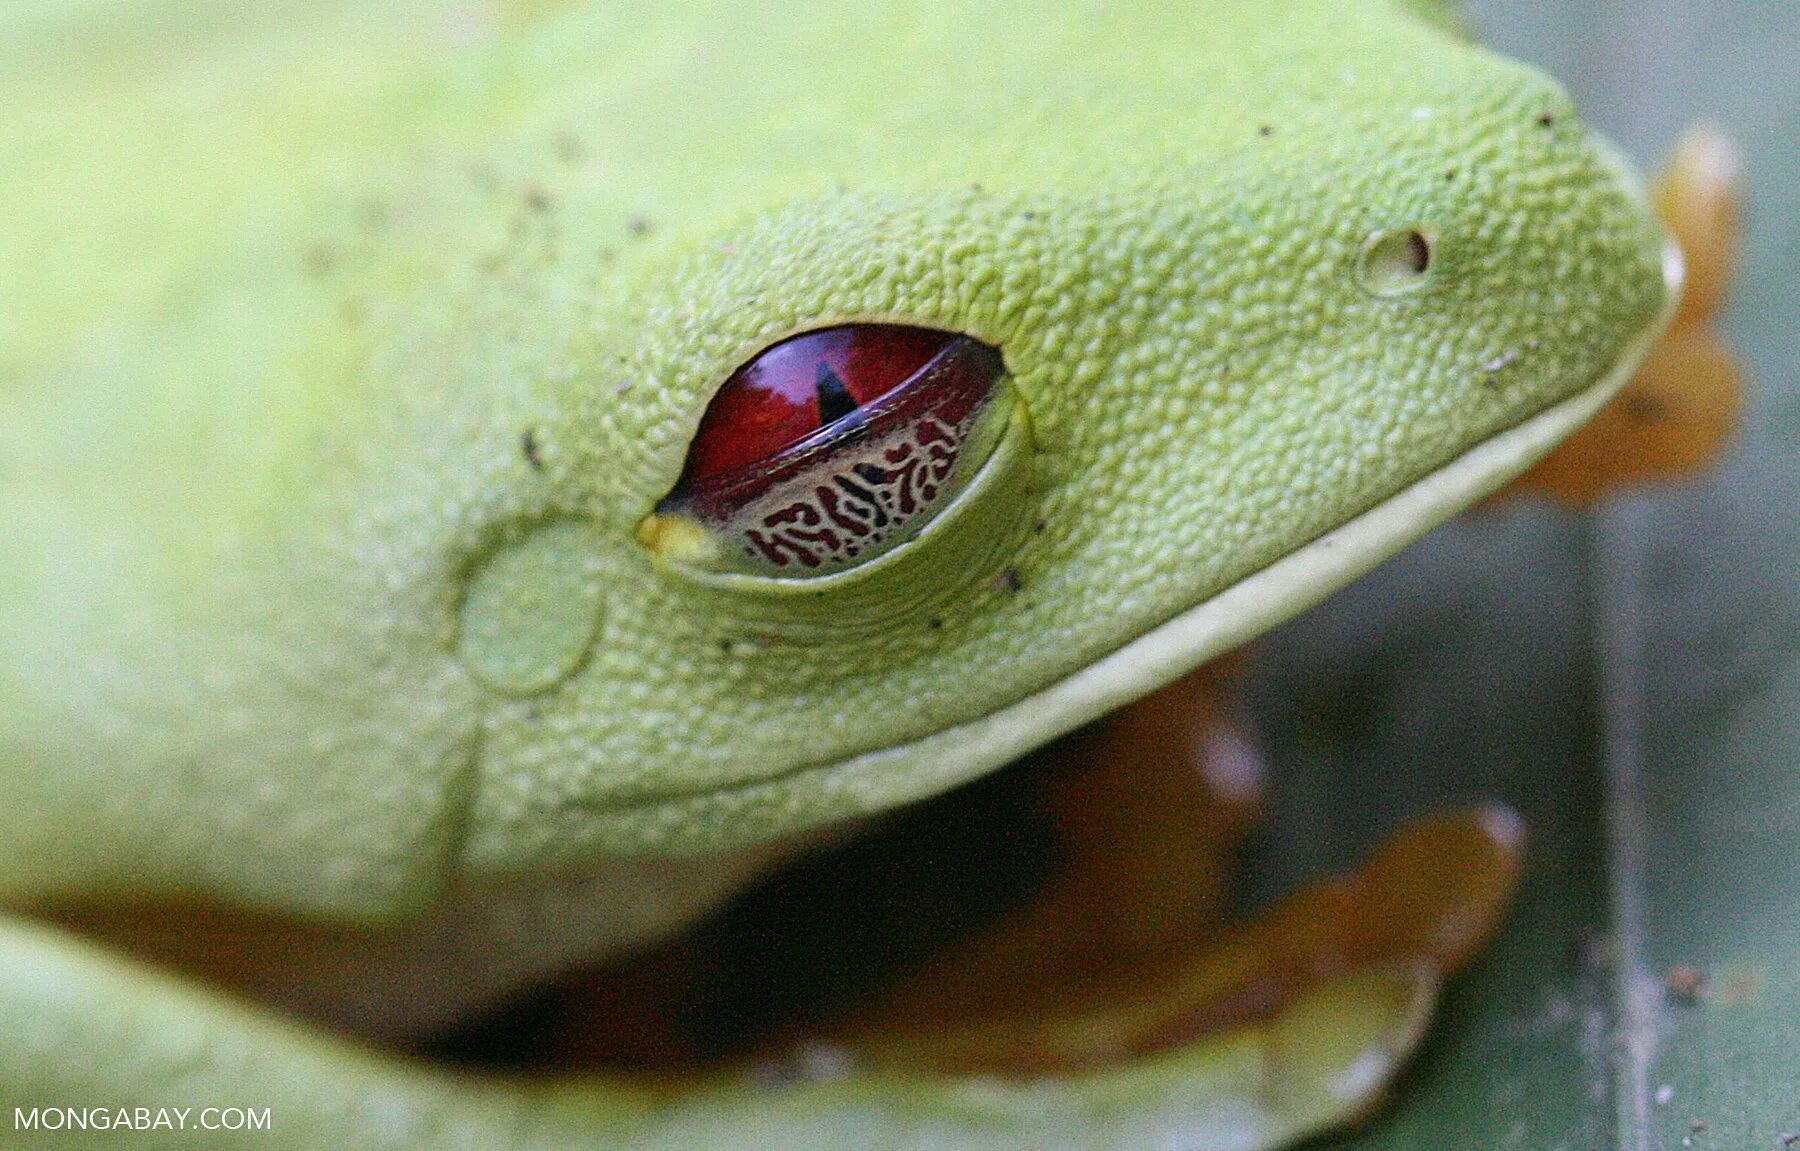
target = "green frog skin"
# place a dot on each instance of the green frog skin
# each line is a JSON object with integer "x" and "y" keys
{"x": 350, "y": 358}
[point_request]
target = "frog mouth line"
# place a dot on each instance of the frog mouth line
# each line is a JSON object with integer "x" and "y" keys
{"x": 741, "y": 815}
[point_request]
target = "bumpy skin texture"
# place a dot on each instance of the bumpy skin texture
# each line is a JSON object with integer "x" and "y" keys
{"x": 276, "y": 558}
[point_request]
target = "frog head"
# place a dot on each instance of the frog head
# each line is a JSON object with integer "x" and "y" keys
{"x": 1177, "y": 331}
{"x": 1213, "y": 354}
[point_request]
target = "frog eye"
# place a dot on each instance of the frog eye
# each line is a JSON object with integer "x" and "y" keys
{"x": 829, "y": 448}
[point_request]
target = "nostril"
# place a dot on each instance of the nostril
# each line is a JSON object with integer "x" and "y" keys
{"x": 1396, "y": 261}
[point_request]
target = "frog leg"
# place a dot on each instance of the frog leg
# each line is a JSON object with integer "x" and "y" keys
{"x": 91, "y": 1032}
{"x": 1675, "y": 416}
{"x": 97, "y": 1033}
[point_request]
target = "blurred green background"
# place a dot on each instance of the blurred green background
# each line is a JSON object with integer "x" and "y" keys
{"x": 1630, "y": 682}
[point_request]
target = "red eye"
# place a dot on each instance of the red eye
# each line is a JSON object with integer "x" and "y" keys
{"x": 834, "y": 445}
{"x": 803, "y": 384}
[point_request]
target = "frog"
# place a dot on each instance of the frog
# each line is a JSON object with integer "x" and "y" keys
{"x": 486, "y": 485}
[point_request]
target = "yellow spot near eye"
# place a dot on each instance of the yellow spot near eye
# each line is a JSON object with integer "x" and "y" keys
{"x": 678, "y": 539}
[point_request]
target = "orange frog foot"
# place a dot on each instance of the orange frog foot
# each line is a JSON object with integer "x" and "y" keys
{"x": 1126, "y": 955}
{"x": 1674, "y": 417}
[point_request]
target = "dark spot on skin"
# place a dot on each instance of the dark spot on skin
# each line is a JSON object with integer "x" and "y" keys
{"x": 528, "y": 447}
{"x": 1643, "y": 408}
{"x": 1008, "y": 581}
{"x": 935, "y": 623}
{"x": 1545, "y": 120}
{"x": 1038, "y": 527}
{"x": 319, "y": 260}
{"x": 1449, "y": 173}
{"x": 537, "y": 199}
{"x": 1265, "y": 130}
{"x": 640, "y": 226}
{"x": 725, "y": 646}
{"x": 977, "y": 189}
